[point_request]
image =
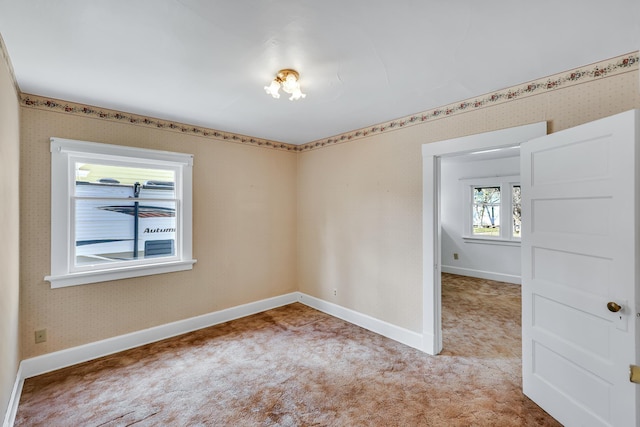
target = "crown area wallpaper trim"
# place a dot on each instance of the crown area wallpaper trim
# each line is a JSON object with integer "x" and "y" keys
{"x": 45, "y": 103}
{"x": 614, "y": 66}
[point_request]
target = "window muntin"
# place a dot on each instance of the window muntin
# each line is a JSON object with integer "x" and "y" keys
{"x": 108, "y": 201}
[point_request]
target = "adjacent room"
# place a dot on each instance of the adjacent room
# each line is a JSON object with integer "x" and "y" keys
{"x": 248, "y": 213}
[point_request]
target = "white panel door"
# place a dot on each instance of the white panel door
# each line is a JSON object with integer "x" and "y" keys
{"x": 579, "y": 253}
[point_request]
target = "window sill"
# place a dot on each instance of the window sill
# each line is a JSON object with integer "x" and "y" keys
{"x": 95, "y": 276}
{"x": 491, "y": 241}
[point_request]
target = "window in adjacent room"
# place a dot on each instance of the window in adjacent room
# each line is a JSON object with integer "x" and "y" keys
{"x": 494, "y": 209}
{"x": 486, "y": 211}
{"x": 117, "y": 212}
{"x": 516, "y": 211}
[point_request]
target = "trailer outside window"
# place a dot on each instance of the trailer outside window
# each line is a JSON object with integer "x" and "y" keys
{"x": 118, "y": 212}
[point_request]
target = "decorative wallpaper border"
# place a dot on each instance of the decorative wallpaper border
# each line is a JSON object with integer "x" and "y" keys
{"x": 614, "y": 66}
{"x": 45, "y": 103}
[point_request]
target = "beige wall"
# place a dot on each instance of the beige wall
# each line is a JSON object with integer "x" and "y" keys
{"x": 244, "y": 225}
{"x": 9, "y": 226}
{"x": 360, "y": 202}
{"x": 266, "y": 222}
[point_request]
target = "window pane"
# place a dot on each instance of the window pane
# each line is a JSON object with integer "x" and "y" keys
{"x": 517, "y": 210}
{"x": 124, "y": 181}
{"x": 105, "y": 230}
{"x": 486, "y": 211}
{"x": 96, "y": 190}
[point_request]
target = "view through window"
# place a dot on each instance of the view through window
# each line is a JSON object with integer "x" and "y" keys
{"x": 495, "y": 211}
{"x": 486, "y": 211}
{"x": 123, "y": 213}
{"x": 118, "y": 212}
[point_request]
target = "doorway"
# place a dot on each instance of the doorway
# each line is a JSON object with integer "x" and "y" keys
{"x": 432, "y": 231}
{"x": 480, "y": 251}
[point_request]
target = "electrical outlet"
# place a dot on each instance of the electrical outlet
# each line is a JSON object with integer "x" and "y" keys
{"x": 335, "y": 292}
{"x": 455, "y": 255}
{"x": 41, "y": 336}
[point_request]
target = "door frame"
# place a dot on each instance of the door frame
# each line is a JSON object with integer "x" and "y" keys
{"x": 431, "y": 229}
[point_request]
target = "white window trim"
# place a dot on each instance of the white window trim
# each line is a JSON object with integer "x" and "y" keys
{"x": 505, "y": 182}
{"x": 62, "y": 181}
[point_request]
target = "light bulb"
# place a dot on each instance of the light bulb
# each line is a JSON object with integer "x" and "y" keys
{"x": 297, "y": 94}
{"x": 286, "y": 79}
{"x": 273, "y": 89}
{"x": 290, "y": 84}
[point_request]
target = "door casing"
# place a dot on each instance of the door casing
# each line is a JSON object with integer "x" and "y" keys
{"x": 431, "y": 155}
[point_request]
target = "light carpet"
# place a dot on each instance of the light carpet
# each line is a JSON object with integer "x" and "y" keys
{"x": 296, "y": 366}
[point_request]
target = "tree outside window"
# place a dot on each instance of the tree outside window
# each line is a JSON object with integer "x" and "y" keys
{"x": 494, "y": 208}
{"x": 516, "y": 207}
{"x": 486, "y": 211}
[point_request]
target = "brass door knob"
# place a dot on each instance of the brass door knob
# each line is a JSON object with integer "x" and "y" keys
{"x": 613, "y": 307}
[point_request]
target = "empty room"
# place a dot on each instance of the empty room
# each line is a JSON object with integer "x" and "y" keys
{"x": 319, "y": 213}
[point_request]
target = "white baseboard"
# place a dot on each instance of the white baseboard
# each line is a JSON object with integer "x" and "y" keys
{"x": 71, "y": 356}
{"x": 60, "y": 359}
{"x": 396, "y": 333}
{"x": 14, "y": 399}
{"x": 498, "y": 277}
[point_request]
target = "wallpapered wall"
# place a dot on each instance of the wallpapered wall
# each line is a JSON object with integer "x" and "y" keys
{"x": 244, "y": 224}
{"x": 9, "y": 228}
{"x": 360, "y": 202}
{"x": 344, "y": 213}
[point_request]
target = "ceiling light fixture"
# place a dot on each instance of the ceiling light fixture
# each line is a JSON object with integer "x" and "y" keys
{"x": 288, "y": 80}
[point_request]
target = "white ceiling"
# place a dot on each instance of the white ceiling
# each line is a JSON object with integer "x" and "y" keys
{"x": 362, "y": 62}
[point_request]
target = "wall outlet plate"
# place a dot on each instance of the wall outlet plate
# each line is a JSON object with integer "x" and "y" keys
{"x": 41, "y": 336}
